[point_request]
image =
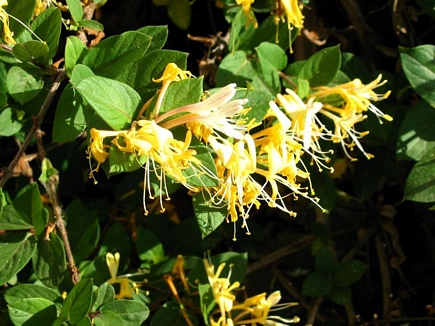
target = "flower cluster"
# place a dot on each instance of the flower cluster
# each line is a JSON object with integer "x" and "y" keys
{"x": 252, "y": 164}
{"x": 254, "y": 310}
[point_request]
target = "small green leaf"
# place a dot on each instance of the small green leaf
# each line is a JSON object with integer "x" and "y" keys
{"x": 121, "y": 161}
{"x": 208, "y": 216}
{"x": 115, "y": 240}
{"x": 159, "y": 36}
{"x": 10, "y": 219}
{"x": 24, "y": 83}
{"x": 78, "y": 302}
{"x": 109, "y": 57}
{"x": 108, "y": 318}
{"x": 83, "y": 230}
{"x": 25, "y": 291}
{"x": 105, "y": 294}
{"x": 9, "y": 125}
{"x": 48, "y": 171}
{"x": 416, "y": 136}
{"x": 321, "y": 68}
{"x": 168, "y": 314}
{"x": 272, "y": 59}
{"x": 69, "y": 120}
{"x": 28, "y": 202}
{"x": 348, "y": 272}
{"x": 419, "y": 68}
{"x": 181, "y": 93}
{"x": 75, "y": 9}
{"x": 207, "y": 301}
{"x": 91, "y": 24}
{"x": 49, "y": 261}
{"x": 115, "y": 102}
{"x": 180, "y": 12}
{"x": 317, "y": 284}
{"x": 32, "y": 311}
{"x": 47, "y": 26}
{"x": 79, "y": 73}
{"x": 75, "y": 50}
{"x": 30, "y": 51}
{"x": 132, "y": 312}
{"x": 149, "y": 248}
{"x": 420, "y": 185}
{"x": 341, "y": 295}
{"x": 325, "y": 260}
{"x": 16, "y": 249}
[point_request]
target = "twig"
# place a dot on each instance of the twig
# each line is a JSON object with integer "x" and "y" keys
{"x": 313, "y": 311}
{"x": 294, "y": 292}
{"x": 36, "y": 124}
{"x": 397, "y": 321}
{"x": 51, "y": 187}
{"x": 385, "y": 276}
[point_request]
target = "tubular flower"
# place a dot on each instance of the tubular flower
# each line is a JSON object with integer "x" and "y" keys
{"x": 127, "y": 287}
{"x": 221, "y": 288}
{"x": 4, "y": 18}
{"x": 246, "y": 5}
{"x": 216, "y": 113}
{"x": 292, "y": 11}
{"x": 171, "y": 74}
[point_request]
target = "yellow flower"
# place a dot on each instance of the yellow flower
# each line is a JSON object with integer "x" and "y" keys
{"x": 4, "y": 18}
{"x": 221, "y": 288}
{"x": 293, "y": 13}
{"x": 172, "y": 73}
{"x": 246, "y": 5}
{"x": 126, "y": 285}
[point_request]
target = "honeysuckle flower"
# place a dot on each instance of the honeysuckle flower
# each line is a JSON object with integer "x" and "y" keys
{"x": 293, "y": 13}
{"x": 216, "y": 113}
{"x": 246, "y": 5}
{"x": 171, "y": 74}
{"x": 4, "y": 18}
{"x": 127, "y": 287}
{"x": 221, "y": 287}
{"x": 259, "y": 308}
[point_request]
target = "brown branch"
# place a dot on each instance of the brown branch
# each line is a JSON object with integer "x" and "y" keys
{"x": 58, "y": 212}
{"x": 385, "y": 276}
{"x": 397, "y": 321}
{"x": 36, "y": 124}
{"x": 312, "y": 313}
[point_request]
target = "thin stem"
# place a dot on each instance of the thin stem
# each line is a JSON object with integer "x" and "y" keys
{"x": 312, "y": 313}
{"x": 36, "y": 124}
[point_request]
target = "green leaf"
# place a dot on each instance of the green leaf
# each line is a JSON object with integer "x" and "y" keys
{"x": 180, "y": 13}
{"x": 321, "y": 68}
{"x": 109, "y": 57}
{"x": 115, "y": 240}
{"x": 75, "y": 50}
{"x": 325, "y": 188}
{"x": 30, "y": 51}
{"x": 105, "y": 294}
{"x": 317, "y": 284}
{"x": 83, "y": 230}
{"x": 28, "y": 202}
{"x": 121, "y": 161}
{"x": 108, "y": 318}
{"x": 115, "y": 102}
{"x": 181, "y": 93}
{"x": 272, "y": 59}
{"x": 159, "y": 35}
{"x": 10, "y": 219}
{"x": 79, "y": 73}
{"x": 348, "y": 272}
{"x": 325, "y": 260}
{"x": 75, "y": 9}
{"x": 420, "y": 185}
{"x": 48, "y": 171}
{"x": 78, "y": 302}
{"x": 49, "y": 261}
{"x": 132, "y": 312}
{"x": 24, "y": 83}
{"x": 22, "y": 10}
{"x": 168, "y": 314}
{"x": 148, "y": 247}
{"x": 47, "y": 26}
{"x": 207, "y": 301}
{"x": 16, "y": 249}
{"x": 209, "y": 217}
{"x": 91, "y": 24}
{"x": 419, "y": 68}
{"x": 416, "y": 136}
{"x": 9, "y": 125}
{"x": 341, "y": 295}
{"x": 32, "y": 312}
{"x": 69, "y": 119}
{"x": 237, "y": 26}
{"x": 96, "y": 269}
{"x": 26, "y": 291}
{"x": 427, "y": 6}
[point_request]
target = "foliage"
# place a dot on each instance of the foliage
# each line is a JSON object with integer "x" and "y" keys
{"x": 120, "y": 216}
